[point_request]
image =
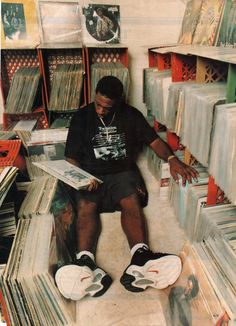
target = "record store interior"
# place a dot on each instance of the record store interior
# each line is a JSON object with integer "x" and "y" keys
{"x": 176, "y": 60}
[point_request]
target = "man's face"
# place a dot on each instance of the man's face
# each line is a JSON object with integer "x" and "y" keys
{"x": 103, "y": 105}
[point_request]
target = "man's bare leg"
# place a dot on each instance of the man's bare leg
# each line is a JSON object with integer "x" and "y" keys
{"x": 146, "y": 268}
{"x": 88, "y": 225}
{"x": 133, "y": 220}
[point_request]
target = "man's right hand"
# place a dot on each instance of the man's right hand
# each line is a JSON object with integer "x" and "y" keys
{"x": 93, "y": 185}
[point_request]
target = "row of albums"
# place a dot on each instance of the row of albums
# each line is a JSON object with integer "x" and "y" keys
{"x": 49, "y": 82}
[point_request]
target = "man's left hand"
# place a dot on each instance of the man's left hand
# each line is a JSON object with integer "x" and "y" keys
{"x": 187, "y": 172}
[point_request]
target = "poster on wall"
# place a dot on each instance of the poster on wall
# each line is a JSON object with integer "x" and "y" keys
{"x": 101, "y": 23}
{"x": 19, "y": 24}
{"x": 60, "y": 22}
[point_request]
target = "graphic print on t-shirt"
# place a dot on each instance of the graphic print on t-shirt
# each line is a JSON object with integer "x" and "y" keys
{"x": 108, "y": 144}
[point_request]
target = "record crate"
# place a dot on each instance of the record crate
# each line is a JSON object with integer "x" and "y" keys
{"x": 12, "y": 60}
{"x": 9, "y": 119}
{"x": 95, "y": 53}
{"x": 209, "y": 70}
{"x": 160, "y": 57}
{"x": 183, "y": 67}
{"x": 52, "y": 55}
{"x": 9, "y": 151}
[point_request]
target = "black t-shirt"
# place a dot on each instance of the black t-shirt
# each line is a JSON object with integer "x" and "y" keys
{"x": 109, "y": 148}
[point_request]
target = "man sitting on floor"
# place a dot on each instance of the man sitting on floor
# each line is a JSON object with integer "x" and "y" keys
{"x": 105, "y": 139}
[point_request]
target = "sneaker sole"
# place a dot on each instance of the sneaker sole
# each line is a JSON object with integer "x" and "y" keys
{"x": 158, "y": 273}
{"x": 72, "y": 281}
{"x": 75, "y": 282}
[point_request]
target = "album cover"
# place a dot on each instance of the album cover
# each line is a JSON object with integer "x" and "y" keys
{"x": 101, "y": 23}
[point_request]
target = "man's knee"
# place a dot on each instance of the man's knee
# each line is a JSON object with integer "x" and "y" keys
{"x": 130, "y": 204}
{"x": 86, "y": 207}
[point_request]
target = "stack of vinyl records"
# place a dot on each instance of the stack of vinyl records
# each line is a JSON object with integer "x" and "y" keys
{"x": 6, "y": 135}
{"x": 223, "y": 151}
{"x": 155, "y": 163}
{"x": 43, "y": 242}
{"x": 217, "y": 252}
{"x": 39, "y": 196}
{"x": 23, "y": 91}
{"x": 181, "y": 199}
{"x": 198, "y": 118}
{"x": 156, "y": 92}
{"x": 27, "y": 282}
{"x": 33, "y": 171}
{"x": 227, "y": 30}
{"x": 7, "y": 219}
{"x": 47, "y": 136}
{"x": 117, "y": 69}
{"x": 191, "y": 300}
{"x": 213, "y": 218}
{"x": 66, "y": 88}
{"x": 174, "y": 105}
{"x": 7, "y": 177}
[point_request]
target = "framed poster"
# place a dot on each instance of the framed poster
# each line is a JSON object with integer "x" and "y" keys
{"x": 60, "y": 21}
{"x": 101, "y": 23}
{"x": 19, "y": 24}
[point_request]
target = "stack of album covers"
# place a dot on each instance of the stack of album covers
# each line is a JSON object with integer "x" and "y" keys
{"x": 7, "y": 177}
{"x": 223, "y": 150}
{"x": 117, "y": 69}
{"x": 43, "y": 242}
{"x": 23, "y": 90}
{"x": 33, "y": 171}
{"x": 67, "y": 172}
{"x": 216, "y": 249}
{"x": 182, "y": 201}
{"x": 209, "y": 19}
{"x": 156, "y": 92}
{"x": 174, "y": 105}
{"x": 191, "y": 300}
{"x": 6, "y": 135}
{"x": 47, "y": 136}
{"x": 66, "y": 87}
{"x": 8, "y": 223}
{"x": 190, "y": 21}
{"x": 212, "y": 219}
{"x": 198, "y": 118}
{"x": 25, "y": 125}
{"x": 28, "y": 285}
{"x": 7, "y": 219}
{"x": 227, "y": 29}
{"x": 39, "y": 196}
{"x": 218, "y": 262}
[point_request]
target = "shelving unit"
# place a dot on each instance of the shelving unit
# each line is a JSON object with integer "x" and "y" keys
{"x": 12, "y": 60}
{"x": 60, "y": 53}
{"x": 205, "y": 65}
{"x": 95, "y": 53}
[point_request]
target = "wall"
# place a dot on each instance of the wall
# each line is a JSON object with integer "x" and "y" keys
{"x": 144, "y": 23}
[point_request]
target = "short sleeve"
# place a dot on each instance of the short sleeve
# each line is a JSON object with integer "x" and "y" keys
{"x": 73, "y": 141}
{"x": 145, "y": 132}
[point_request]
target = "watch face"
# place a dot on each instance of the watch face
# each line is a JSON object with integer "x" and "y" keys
{"x": 102, "y": 22}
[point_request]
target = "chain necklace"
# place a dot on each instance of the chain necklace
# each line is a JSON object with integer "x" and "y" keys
{"x": 106, "y": 127}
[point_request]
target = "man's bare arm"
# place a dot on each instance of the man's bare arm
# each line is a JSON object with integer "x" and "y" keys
{"x": 163, "y": 150}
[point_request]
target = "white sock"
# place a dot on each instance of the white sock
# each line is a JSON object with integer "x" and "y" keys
{"x": 137, "y": 246}
{"x": 85, "y": 252}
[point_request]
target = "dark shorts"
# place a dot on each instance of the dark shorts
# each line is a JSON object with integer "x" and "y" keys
{"x": 114, "y": 188}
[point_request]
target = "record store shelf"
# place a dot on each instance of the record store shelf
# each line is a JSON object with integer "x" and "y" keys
{"x": 205, "y": 65}
{"x": 95, "y": 53}
{"x": 12, "y": 60}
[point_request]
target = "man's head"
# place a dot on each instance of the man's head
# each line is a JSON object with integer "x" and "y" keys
{"x": 99, "y": 12}
{"x": 109, "y": 92}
